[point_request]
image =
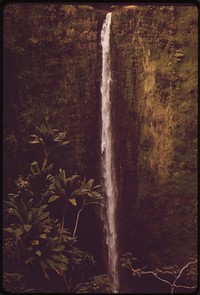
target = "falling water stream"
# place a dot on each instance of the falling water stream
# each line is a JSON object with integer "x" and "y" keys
{"x": 108, "y": 168}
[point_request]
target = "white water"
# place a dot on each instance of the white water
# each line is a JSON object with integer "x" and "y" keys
{"x": 108, "y": 169}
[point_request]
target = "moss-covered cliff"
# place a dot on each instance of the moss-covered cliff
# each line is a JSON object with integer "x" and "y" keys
{"x": 52, "y": 57}
{"x": 155, "y": 114}
{"x": 52, "y": 73}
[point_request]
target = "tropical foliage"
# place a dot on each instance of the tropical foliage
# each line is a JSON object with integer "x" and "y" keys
{"x": 95, "y": 285}
{"x": 35, "y": 242}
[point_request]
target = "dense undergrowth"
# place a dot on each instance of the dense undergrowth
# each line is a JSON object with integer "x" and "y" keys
{"x": 40, "y": 254}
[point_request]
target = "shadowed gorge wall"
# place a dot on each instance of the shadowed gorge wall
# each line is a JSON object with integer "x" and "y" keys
{"x": 52, "y": 73}
{"x": 55, "y": 52}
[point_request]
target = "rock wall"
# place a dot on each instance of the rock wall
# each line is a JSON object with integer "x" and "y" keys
{"x": 155, "y": 119}
{"x": 56, "y": 56}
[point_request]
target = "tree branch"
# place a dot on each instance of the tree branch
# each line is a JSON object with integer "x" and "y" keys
{"x": 45, "y": 154}
{"x": 77, "y": 218}
{"x": 185, "y": 287}
{"x": 180, "y": 273}
{"x": 63, "y": 222}
{"x": 155, "y": 275}
{"x": 140, "y": 272}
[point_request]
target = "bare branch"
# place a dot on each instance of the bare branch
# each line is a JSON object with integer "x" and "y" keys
{"x": 139, "y": 272}
{"x": 77, "y": 217}
{"x": 184, "y": 267}
{"x": 180, "y": 273}
{"x": 155, "y": 275}
{"x": 185, "y": 287}
{"x": 63, "y": 222}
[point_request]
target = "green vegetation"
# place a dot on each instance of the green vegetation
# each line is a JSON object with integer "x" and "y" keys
{"x": 36, "y": 243}
{"x": 95, "y": 285}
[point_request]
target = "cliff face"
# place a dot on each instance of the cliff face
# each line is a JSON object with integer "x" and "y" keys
{"x": 155, "y": 114}
{"x": 53, "y": 73}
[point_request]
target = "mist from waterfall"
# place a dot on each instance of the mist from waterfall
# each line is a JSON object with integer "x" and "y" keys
{"x": 108, "y": 167}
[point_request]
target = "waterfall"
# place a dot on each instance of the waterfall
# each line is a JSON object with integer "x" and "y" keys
{"x": 108, "y": 169}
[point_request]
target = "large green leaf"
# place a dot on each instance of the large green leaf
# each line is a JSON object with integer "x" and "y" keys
{"x": 61, "y": 265}
{"x": 29, "y": 219}
{"x": 60, "y": 136}
{"x": 96, "y": 194}
{"x": 35, "y": 168}
{"x": 43, "y": 207}
{"x": 97, "y": 186}
{"x": 60, "y": 258}
{"x": 16, "y": 213}
{"x": 38, "y": 252}
{"x": 47, "y": 229}
{"x": 10, "y": 230}
{"x": 73, "y": 201}
{"x": 90, "y": 183}
{"x": 90, "y": 194}
{"x": 27, "y": 227}
{"x": 59, "y": 248}
{"x": 53, "y": 198}
{"x": 51, "y": 262}
{"x": 63, "y": 143}
{"x": 35, "y": 242}
{"x": 80, "y": 192}
{"x": 18, "y": 232}
{"x": 43, "y": 236}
